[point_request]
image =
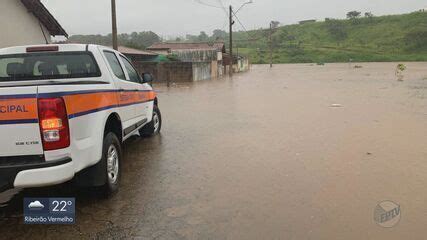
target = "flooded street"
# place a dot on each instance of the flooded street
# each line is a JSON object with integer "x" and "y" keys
{"x": 297, "y": 152}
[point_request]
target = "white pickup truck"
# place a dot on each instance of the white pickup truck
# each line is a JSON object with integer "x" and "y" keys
{"x": 65, "y": 111}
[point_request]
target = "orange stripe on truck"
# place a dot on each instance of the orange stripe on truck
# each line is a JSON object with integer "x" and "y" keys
{"x": 86, "y": 102}
{"x": 18, "y": 109}
{"x": 77, "y": 104}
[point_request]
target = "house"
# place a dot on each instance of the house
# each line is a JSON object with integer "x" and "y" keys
{"x": 137, "y": 55}
{"x": 194, "y": 61}
{"x": 143, "y": 60}
{"x": 27, "y": 22}
{"x": 167, "y": 48}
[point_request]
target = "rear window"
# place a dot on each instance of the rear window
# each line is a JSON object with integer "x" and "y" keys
{"x": 41, "y": 66}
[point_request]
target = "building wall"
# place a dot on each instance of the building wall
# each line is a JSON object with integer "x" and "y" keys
{"x": 167, "y": 71}
{"x": 19, "y": 27}
{"x": 202, "y": 71}
{"x": 177, "y": 71}
{"x": 214, "y": 69}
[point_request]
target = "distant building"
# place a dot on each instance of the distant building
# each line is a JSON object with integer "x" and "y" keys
{"x": 192, "y": 52}
{"x": 194, "y": 61}
{"x": 137, "y": 55}
{"x": 26, "y": 22}
{"x": 308, "y": 21}
{"x": 167, "y": 48}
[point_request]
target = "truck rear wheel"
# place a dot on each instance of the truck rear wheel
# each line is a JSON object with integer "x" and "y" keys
{"x": 152, "y": 128}
{"x": 111, "y": 164}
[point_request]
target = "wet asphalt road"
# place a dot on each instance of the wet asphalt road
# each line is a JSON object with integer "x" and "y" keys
{"x": 297, "y": 152}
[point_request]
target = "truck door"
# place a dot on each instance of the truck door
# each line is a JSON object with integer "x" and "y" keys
{"x": 126, "y": 89}
{"x": 142, "y": 106}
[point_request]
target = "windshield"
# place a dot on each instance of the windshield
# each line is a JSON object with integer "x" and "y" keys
{"x": 42, "y": 66}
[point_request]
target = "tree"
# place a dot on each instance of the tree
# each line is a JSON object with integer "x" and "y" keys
{"x": 203, "y": 37}
{"x": 369, "y": 15}
{"x": 275, "y": 24}
{"x": 191, "y": 38}
{"x": 139, "y": 40}
{"x": 353, "y": 14}
{"x": 149, "y": 38}
{"x": 219, "y": 34}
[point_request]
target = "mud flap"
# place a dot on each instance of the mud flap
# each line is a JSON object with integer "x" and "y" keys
{"x": 94, "y": 176}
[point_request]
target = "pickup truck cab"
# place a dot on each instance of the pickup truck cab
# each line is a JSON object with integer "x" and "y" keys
{"x": 65, "y": 111}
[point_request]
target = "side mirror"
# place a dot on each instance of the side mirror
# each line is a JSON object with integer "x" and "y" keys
{"x": 147, "y": 78}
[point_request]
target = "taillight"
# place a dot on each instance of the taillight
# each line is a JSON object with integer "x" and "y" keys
{"x": 43, "y": 49}
{"x": 53, "y": 122}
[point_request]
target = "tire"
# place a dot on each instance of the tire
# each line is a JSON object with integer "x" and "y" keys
{"x": 111, "y": 164}
{"x": 154, "y": 127}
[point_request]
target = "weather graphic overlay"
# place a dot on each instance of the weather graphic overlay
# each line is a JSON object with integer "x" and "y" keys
{"x": 49, "y": 210}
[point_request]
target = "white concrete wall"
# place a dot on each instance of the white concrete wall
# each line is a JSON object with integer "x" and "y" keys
{"x": 18, "y": 26}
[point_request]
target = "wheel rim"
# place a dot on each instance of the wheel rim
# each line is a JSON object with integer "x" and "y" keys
{"x": 156, "y": 122}
{"x": 112, "y": 164}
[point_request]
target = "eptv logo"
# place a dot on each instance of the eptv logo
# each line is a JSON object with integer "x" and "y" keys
{"x": 387, "y": 214}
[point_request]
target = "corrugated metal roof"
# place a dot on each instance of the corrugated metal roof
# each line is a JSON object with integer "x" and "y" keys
{"x": 219, "y": 46}
{"x": 45, "y": 17}
{"x": 132, "y": 51}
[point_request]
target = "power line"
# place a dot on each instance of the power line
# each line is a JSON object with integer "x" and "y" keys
{"x": 240, "y": 22}
{"x": 251, "y": 1}
{"x": 225, "y": 24}
{"x": 214, "y": 6}
{"x": 207, "y": 4}
{"x": 243, "y": 26}
{"x": 222, "y": 5}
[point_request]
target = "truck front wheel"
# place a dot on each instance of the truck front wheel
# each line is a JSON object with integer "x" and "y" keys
{"x": 152, "y": 128}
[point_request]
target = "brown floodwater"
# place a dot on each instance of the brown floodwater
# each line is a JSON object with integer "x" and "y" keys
{"x": 297, "y": 152}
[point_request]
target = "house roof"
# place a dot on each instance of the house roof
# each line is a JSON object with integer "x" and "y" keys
{"x": 45, "y": 17}
{"x": 219, "y": 46}
{"x": 132, "y": 51}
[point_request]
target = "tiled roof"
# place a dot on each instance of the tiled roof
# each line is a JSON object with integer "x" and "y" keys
{"x": 132, "y": 51}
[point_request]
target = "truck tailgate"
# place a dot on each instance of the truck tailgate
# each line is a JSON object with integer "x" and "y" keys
{"x": 19, "y": 127}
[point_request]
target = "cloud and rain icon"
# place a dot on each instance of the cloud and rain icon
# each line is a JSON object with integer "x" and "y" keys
{"x": 36, "y": 205}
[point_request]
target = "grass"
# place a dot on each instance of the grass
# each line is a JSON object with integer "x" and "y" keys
{"x": 377, "y": 39}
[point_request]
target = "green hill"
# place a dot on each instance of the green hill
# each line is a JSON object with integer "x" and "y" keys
{"x": 385, "y": 38}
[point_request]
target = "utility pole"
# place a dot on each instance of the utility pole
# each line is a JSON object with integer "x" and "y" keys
{"x": 231, "y": 41}
{"x": 114, "y": 22}
{"x": 271, "y": 44}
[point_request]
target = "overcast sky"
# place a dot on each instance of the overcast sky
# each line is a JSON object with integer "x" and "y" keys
{"x": 178, "y": 17}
